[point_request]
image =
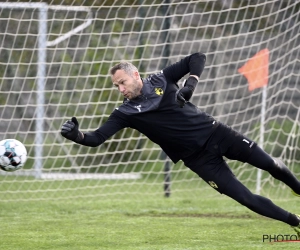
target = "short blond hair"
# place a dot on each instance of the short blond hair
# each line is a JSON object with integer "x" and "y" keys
{"x": 128, "y": 67}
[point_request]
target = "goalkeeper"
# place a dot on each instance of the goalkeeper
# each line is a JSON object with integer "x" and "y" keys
{"x": 158, "y": 108}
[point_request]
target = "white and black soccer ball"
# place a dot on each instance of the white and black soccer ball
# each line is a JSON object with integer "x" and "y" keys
{"x": 13, "y": 155}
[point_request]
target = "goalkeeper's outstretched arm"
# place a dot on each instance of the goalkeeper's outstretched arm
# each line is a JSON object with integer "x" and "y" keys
{"x": 70, "y": 130}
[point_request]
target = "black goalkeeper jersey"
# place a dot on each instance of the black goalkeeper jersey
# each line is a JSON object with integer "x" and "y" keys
{"x": 178, "y": 131}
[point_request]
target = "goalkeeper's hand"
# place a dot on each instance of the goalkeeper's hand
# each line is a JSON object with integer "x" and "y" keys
{"x": 70, "y": 130}
{"x": 184, "y": 94}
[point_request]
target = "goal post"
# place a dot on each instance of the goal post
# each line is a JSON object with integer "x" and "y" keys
{"x": 43, "y": 43}
{"x": 54, "y": 63}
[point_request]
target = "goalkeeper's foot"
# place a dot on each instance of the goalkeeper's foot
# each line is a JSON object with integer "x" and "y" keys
{"x": 297, "y": 228}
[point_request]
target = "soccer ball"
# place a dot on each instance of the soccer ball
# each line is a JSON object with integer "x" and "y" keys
{"x": 13, "y": 155}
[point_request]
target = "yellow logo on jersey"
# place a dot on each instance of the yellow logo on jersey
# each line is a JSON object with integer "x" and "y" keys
{"x": 159, "y": 91}
{"x": 212, "y": 184}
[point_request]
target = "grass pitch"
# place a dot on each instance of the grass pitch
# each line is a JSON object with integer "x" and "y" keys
{"x": 207, "y": 222}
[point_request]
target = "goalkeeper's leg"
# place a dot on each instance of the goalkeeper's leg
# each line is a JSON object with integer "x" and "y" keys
{"x": 275, "y": 167}
{"x": 238, "y": 147}
{"x": 215, "y": 171}
{"x": 258, "y": 204}
{"x": 219, "y": 176}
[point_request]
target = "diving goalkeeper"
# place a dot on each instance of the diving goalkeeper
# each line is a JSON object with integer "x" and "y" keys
{"x": 158, "y": 108}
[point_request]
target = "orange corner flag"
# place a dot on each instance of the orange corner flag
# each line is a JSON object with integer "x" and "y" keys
{"x": 256, "y": 70}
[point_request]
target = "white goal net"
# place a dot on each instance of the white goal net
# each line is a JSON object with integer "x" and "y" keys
{"x": 54, "y": 62}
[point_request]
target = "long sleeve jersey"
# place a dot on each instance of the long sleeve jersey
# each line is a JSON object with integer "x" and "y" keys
{"x": 180, "y": 132}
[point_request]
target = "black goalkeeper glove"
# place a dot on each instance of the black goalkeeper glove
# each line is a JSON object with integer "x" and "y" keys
{"x": 184, "y": 94}
{"x": 70, "y": 130}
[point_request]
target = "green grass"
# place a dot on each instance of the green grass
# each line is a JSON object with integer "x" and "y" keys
{"x": 104, "y": 222}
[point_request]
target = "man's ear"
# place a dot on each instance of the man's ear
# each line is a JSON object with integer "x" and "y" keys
{"x": 136, "y": 75}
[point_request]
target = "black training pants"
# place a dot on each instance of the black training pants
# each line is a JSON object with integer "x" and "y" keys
{"x": 211, "y": 167}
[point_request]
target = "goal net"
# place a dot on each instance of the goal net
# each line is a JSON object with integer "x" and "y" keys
{"x": 54, "y": 62}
